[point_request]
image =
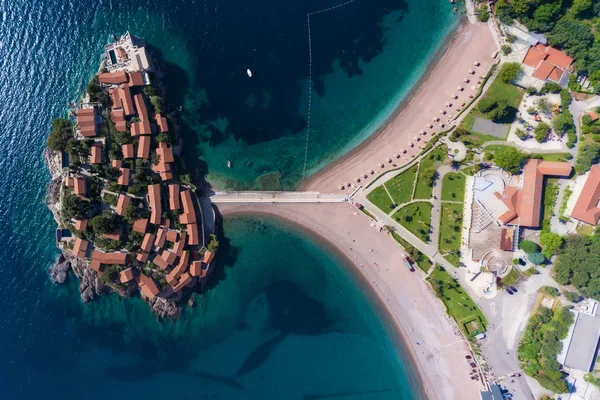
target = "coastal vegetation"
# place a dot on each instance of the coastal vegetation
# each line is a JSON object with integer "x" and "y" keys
{"x": 416, "y": 218}
{"x": 509, "y": 159}
{"x": 61, "y": 135}
{"x": 459, "y": 305}
{"x": 589, "y": 154}
{"x": 577, "y": 264}
{"x": 422, "y": 261}
{"x": 541, "y": 343}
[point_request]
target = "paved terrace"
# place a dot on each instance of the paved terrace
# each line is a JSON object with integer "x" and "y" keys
{"x": 277, "y": 197}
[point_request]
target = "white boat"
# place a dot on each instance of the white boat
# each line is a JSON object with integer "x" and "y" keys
{"x": 249, "y": 73}
{"x": 228, "y": 164}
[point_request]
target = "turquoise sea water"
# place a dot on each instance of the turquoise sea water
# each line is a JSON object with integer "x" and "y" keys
{"x": 285, "y": 320}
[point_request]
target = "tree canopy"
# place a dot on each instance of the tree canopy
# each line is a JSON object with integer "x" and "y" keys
{"x": 509, "y": 159}
{"x": 589, "y": 154}
{"x": 62, "y": 133}
{"x": 509, "y": 72}
{"x": 541, "y": 131}
{"x": 579, "y": 264}
{"x": 551, "y": 243}
{"x": 528, "y": 246}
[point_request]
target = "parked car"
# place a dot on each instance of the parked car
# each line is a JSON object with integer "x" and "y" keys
{"x": 510, "y": 291}
{"x": 514, "y": 289}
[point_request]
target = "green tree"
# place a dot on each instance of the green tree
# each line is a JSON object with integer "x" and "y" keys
{"x": 562, "y": 123}
{"x": 589, "y": 154}
{"x": 541, "y": 131}
{"x": 509, "y": 159}
{"x": 509, "y": 72}
{"x": 528, "y": 246}
{"x": 62, "y": 133}
{"x": 551, "y": 243}
{"x": 581, "y": 6}
{"x": 572, "y": 296}
{"x": 536, "y": 258}
{"x": 106, "y": 222}
{"x": 543, "y": 105}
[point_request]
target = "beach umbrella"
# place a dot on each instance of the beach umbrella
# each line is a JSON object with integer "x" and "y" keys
{"x": 455, "y": 96}
{"x": 389, "y": 160}
{"x": 342, "y": 187}
{"x": 371, "y": 172}
{"x": 443, "y": 112}
{"x": 460, "y": 88}
{"x": 397, "y": 155}
{"x": 476, "y": 63}
{"x": 471, "y": 72}
{"x": 470, "y": 96}
{"x": 423, "y": 132}
{"x": 443, "y": 125}
{"x": 382, "y": 165}
{"x": 466, "y": 80}
{"x": 412, "y": 145}
{"x": 430, "y": 126}
{"x": 403, "y": 151}
{"x": 448, "y": 104}
{"x": 349, "y": 184}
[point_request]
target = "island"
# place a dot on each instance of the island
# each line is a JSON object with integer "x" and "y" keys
{"x": 129, "y": 219}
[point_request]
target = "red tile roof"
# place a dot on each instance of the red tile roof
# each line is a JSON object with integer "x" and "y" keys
{"x": 81, "y": 224}
{"x": 122, "y": 204}
{"x": 147, "y": 242}
{"x": 593, "y": 116}
{"x": 208, "y": 257}
{"x": 80, "y": 247}
{"x": 136, "y": 79}
{"x": 142, "y": 256}
{"x": 526, "y": 202}
{"x": 140, "y": 225}
{"x": 160, "y": 262}
{"x": 116, "y": 163}
{"x": 586, "y": 209}
{"x": 165, "y": 152}
{"x": 179, "y": 245}
{"x": 161, "y": 122}
{"x": 172, "y": 236}
{"x": 128, "y": 151}
{"x": 155, "y": 204}
{"x": 115, "y": 100}
{"x": 126, "y": 276}
{"x": 124, "y": 174}
{"x": 117, "y": 258}
{"x": 144, "y": 147}
{"x": 79, "y": 185}
{"x": 174, "y": 203}
{"x": 192, "y": 230}
{"x": 140, "y": 105}
{"x": 113, "y": 78}
{"x": 196, "y": 268}
{"x": 183, "y": 281}
{"x": 147, "y": 286}
{"x": 549, "y": 63}
{"x": 96, "y": 153}
{"x": 126, "y": 100}
{"x": 161, "y": 236}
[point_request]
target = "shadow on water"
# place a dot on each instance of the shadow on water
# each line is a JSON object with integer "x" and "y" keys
{"x": 291, "y": 312}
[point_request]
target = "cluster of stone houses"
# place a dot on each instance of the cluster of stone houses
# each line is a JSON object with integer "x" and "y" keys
{"x": 176, "y": 253}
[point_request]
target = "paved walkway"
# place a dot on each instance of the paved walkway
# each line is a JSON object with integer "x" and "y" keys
{"x": 277, "y": 197}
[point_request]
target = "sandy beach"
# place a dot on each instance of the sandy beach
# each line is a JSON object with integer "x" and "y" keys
{"x": 438, "y": 353}
{"x": 471, "y": 42}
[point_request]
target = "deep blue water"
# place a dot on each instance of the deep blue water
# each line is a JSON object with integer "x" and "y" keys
{"x": 306, "y": 323}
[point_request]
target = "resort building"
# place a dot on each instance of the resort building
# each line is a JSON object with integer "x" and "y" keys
{"x": 80, "y": 248}
{"x": 155, "y": 204}
{"x": 126, "y": 54}
{"x": 79, "y": 186}
{"x": 580, "y": 347}
{"x": 122, "y": 204}
{"x": 87, "y": 121}
{"x": 523, "y": 203}
{"x": 128, "y": 151}
{"x": 143, "y": 146}
{"x": 140, "y": 225}
{"x": 586, "y": 209}
{"x": 548, "y": 64}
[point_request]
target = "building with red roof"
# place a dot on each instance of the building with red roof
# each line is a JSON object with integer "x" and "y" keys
{"x": 113, "y": 78}
{"x": 193, "y": 238}
{"x": 126, "y": 100}
{"x": 140, "y": 105}
{"x": 140, "y": 225}
{"x": 524, "y": 204}
{"x": 147, "y": 286}
{"x": 124, "y": 174}
{"x": 183, "y": 281}
{"x": 126, "y": 275}
{"x": 136, "y": 79}
{"x": 80, "y": 248}
{"x": 96, "y": 153}
{"x": 208, "y": 257}
{"x": 79, "y": 185}
{"x": 128, "y": 150}
{"x": 155, "y": 204}
{"x": 147, "y": 243}
{"x": 174, "y": 203}
{"x": 142, "y": 256}
{"x": 549, "y": 63}
{"x": 161, "y": 122}
{"x": 116, "y": 163}
{"x": 86, "y": 120}
{"x": 122, "y": 204}
{"x": 117, "y": 258}
{"x": 586, "y": 208}
{"x": 81, "y": 224}
{"x": 160, "y": 262}
{"x": 144, "y": 147}
{"x": 114, "y": 235}
{"x": 161, "y": 237}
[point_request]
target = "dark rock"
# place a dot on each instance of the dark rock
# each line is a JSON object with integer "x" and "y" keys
{"x": 165, "y": 308}
{"x": 58, "y": 270}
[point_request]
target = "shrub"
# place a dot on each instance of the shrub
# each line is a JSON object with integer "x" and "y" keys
{"x": 506, "y": 49}
{"x": 572, "y": 296}
{"x": 541, "y": 131}
{"x": 509, "y": 159}
{"x": 509, "y": 72}
{"x": 521, "y": 134}
{"x": 536, "y": 258}
{"x": 551, "y": 243}
{"x": 62, "y": 133}
{"x": 528, "y": 246}
{"x": 552, "y": 291}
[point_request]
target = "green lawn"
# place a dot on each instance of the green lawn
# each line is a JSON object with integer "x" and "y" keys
{"x": 544, "y": 156}
{"x": 453, "y": 187}
{"x": 511, "y": 278}
{"x": 401, "y": 186}
{"x": 427, "y": 167}
{"x": 416, "y": 218}
{"x": 459, "y": 304}
{"x": 450, "y": 232}
{"x": 381, "y": 199}
{"x": 422, "y": 261}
